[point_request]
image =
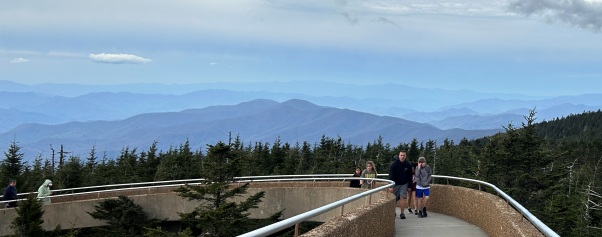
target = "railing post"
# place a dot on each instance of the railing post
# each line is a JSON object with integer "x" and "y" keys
{"x": 342, "y": 209}
{"x": 296, "y": 229}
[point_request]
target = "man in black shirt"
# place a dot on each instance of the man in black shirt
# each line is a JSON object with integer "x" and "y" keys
{"x": 10, "y": 193}
{"x": 401, "y": 172}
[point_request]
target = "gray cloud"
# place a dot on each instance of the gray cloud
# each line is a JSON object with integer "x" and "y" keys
{"x": 351, "y": 19}
{"x": 384, "y": 20}
{"x": 118, "y": 58}
{"x": 581, "y": 13}
{"x": 340, "y": 2}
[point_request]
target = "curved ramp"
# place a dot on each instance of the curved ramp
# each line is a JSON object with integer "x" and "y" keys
{"x": 435, "y": 224}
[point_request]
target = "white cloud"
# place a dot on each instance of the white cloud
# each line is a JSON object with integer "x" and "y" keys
{"x": 19, "y": 60}
{"x": 118, "y": 58}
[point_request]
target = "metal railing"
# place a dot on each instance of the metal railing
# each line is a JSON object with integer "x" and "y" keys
{"x": 174, "y": 183}
{"x": 295, "y": 220}
{"x": 543, "y": 228}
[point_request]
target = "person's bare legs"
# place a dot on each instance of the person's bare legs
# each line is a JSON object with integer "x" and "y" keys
{"x": 402, "y": 204}
{"x": 424, "y": 201}
{"x": 419, "y": 207}
{"x": 409, "y": 202}
{"x": 415, "y": 201}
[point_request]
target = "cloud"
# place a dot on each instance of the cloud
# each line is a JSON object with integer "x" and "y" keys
{"x": 351, "y": 19}
{"x": 118, "y": 58}
{"x": 585, "y": 14}
{"x": 384, "y": 20}
{"x": 19, "y": 60}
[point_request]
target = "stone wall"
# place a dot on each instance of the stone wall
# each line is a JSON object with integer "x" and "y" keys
{"x": 377, "y": 219}
{"x": 487, "y": 211}
{"x": 292, "y": 197}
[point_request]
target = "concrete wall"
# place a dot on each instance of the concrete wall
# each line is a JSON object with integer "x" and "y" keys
{"x": 377, "y": 219}
{"x": 293, "y": 197}
{"x": 489, "y": 212}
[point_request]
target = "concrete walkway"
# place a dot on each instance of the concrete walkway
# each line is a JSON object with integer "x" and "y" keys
{"x": 434, "y": 225}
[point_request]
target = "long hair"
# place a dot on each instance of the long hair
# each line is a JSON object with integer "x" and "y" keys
{"x": 372, "y": 164}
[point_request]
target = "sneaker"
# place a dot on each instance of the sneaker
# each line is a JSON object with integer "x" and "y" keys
{"x": 420, "y": 214}
{"x": 424, "y": 211}
{"x": 416, "y": 212}
{"x": 402, "y": 216}
{"x": 410, "y": 210}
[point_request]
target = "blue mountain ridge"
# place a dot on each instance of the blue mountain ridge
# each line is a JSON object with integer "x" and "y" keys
{"x": 259, "y": 120}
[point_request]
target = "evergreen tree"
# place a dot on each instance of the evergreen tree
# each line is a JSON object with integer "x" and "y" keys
{"x": 34, "y": 178}
{"x": 123, "y": 216}
{"x": 29, "y": 218}
{"x": 291, "y": 157}
{"x": 106, "y": 171}
{"x": 70, "y": 175}
{"x": 127, "y": 166}
{"x": 149, "y": 163}
{"x": 413, "y": 152}
{"x": 90, "y": 167}
{"x": 13, "y": 164}
{"x": 261, "y": 156}
{"x": 218, "y": 215}
{"x": 377, "y": 152}
{"x": 306, "y": 160}
{"x": 180, "y": 163}
{"x": 277, "y": 154}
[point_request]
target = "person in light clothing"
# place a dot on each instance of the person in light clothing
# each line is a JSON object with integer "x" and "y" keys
{"x": 369, "y": 172}
{"x": 44, "y": 191}
{"x": 423, "y": 185}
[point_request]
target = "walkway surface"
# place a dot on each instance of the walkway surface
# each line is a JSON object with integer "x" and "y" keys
{"x": 435, "y": 225}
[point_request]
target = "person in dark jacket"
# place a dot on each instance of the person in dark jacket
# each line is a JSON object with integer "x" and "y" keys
{"x": 10, "y": 193}
{"x": 401, "y": 173}
{"x": 355, "y": 183}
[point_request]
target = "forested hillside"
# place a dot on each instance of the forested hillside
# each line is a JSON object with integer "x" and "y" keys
{"x": 551, "y": 168}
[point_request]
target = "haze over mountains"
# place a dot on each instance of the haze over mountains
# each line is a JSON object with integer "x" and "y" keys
{"x": 113, "y": 117}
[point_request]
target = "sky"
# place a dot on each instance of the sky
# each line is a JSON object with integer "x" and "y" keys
{"x": 532, "y": 47}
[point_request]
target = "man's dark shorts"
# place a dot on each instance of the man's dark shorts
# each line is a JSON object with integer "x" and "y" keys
{"x": 400, "y": 191}
{"x": 413, "y": 187}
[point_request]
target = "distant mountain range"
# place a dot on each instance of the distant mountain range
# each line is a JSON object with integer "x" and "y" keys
{"x": 52, "y": 110}
{"x": 254, "y": 121}
{"x": 61, "y": 103}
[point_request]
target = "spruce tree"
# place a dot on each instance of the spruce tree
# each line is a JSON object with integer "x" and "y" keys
{"x": 218, "y": 214}
{"x": 29, "y": 218}
{"x": 123, "y": 216}
{"x": 13, "y": 165}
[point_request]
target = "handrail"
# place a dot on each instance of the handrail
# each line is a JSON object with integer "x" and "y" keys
{"x": 281, "y": 225}
{"x": 114, "y": 185}
{"x": 534, "y": 220}
{"x": 277, "y": 178}
{"x": 175, "y": 183}
{"x": 182, "y": 181}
